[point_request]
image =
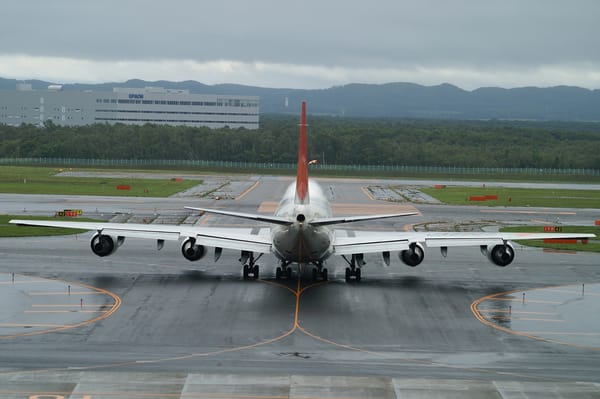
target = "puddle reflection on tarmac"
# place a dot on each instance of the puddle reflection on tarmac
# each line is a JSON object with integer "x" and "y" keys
{"x": 563, "y": 314}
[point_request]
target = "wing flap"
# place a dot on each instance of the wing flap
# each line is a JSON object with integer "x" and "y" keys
{"x": 369, "y": 244}
{"x": 461, "y": 242}
{"x": 147, "y": 234}
{"x": 235, "y": 241}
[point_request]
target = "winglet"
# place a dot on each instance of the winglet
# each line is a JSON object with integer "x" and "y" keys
{"x": 302, "y": 171}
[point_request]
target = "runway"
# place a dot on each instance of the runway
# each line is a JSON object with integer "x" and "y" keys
{"x": 198, "y": 330}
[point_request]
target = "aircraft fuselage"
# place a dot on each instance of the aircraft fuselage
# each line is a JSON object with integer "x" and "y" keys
{"x": 301, "y": 242}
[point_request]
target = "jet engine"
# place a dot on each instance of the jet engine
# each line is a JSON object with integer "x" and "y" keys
{"x": 104, "y": 245}
{"x": 501, "y": 255}
{"x": 413, "y": 255}
{"x": 191, "y": 251}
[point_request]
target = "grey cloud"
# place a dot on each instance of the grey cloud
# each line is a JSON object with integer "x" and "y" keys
{"x": 386, "y": 33}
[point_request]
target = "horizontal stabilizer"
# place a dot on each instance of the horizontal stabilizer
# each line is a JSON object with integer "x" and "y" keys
{"x": 250, "y": 216}
{"x": 351, "y": 219}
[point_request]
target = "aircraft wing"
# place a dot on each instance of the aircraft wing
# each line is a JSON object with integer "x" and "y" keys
{"x": 458, "y": 239}
{"x": 355, "y": 242}
{"x": 231, "y": 238}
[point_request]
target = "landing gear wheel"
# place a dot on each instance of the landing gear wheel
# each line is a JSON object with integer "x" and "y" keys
{"x": 324, "y": 274}
{"x": 246, "y": 272}
{"x": 288, "y": 272}
{"x": 255, "y": 271}
{"x": 356, "y": 273}
{"x": 278, "y": 273}
{"x": 315, "y": 273}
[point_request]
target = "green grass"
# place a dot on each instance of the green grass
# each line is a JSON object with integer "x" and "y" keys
{"x": 518, "y": 197}
{"x": 591, "y": 246}
{"x": 43, "y": 180}
{"x": 11, "y": 230}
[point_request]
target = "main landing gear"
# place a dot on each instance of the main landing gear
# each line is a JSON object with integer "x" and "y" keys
{"x": 355, "y": 263}
{"x": 283, "y": 271}
{"x": 250, "y": 268}
{"x": 319, "y": 272}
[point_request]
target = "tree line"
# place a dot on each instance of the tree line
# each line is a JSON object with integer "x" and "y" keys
{"x": 331, "y": 140}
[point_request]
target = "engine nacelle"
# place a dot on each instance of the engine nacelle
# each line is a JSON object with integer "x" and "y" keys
{"x": 412, "y": 256}
{"x": 501, "y": 255}
{"x": 104, "y": 245}
{"x": 191, "y": 251}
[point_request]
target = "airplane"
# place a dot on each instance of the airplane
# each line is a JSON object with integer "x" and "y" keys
{"x": 301, "y": 232}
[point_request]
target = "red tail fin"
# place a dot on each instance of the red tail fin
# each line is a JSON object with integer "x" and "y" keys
{"x": 302, "y": 171}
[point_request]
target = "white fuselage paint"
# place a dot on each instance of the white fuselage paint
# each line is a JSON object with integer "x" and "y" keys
{"x": 301, "y": 242}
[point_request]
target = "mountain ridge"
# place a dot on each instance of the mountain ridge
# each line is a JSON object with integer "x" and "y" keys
{"x": 391, "y": 100}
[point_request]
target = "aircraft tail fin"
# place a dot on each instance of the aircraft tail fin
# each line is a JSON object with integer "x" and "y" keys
{"x": 302, "y": 170}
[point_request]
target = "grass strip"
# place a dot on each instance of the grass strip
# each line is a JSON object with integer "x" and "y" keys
{"x": 591, "y": 246}
{"x": 521, "y": 197}
{"x": 43, "y": 180}
{"x": 11, "y": 230}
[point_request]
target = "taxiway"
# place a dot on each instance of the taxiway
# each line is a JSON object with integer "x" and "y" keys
{"x": 186, "y": 329}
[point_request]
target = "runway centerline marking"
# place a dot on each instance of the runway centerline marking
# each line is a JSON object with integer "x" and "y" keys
{"x": 242, "y": 195}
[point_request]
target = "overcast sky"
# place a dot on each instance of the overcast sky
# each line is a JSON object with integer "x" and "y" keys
{"x": 304, "y": 44}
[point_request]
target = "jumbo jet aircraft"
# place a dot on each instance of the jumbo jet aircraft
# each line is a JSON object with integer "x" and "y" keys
{"x": 301, "y": 233}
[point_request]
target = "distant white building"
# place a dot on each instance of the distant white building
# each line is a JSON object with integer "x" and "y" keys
{"x": 130, "y": 106}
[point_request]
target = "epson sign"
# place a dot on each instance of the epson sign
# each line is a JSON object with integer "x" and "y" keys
{"x": 136, "y": 96}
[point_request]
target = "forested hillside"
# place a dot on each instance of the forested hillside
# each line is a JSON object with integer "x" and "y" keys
{"x": 331, "y": 140}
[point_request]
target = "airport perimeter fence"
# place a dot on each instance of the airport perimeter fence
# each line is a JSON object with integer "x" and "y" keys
{"x": 234, "y": 165}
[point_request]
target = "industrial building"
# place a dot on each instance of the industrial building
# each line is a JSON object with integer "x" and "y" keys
{"x": 136, "y": 106}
